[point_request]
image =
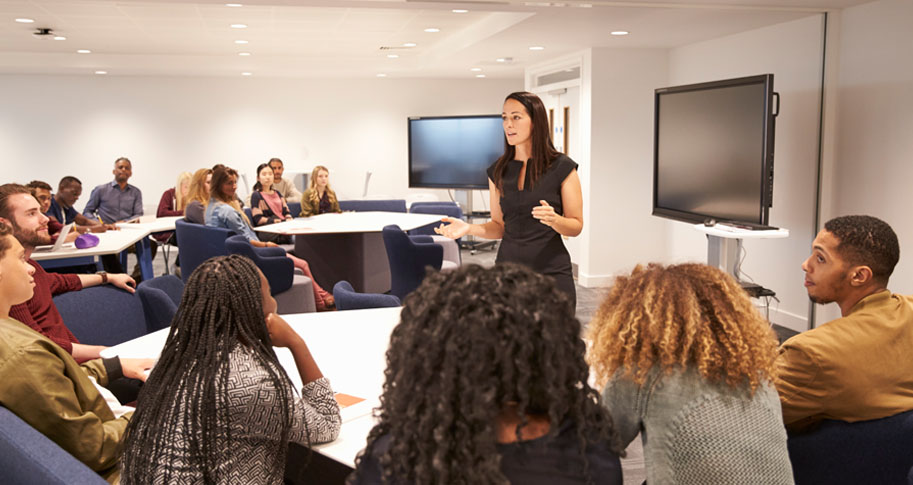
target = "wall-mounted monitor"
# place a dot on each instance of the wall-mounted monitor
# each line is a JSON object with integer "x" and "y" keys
{"x": 713, "y": 150}
{"x": 453, "y": 152}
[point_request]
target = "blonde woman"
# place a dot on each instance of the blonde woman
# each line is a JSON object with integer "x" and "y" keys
{"x": 198, "y": 196}
{"x": 688, "y": 362}
{"x": 319, "y": 198}
{"x": 172, "y": 203}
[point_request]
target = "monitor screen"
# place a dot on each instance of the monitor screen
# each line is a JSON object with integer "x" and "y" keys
{"x": 712, "y": 151}
{"x": 453, "y": 152}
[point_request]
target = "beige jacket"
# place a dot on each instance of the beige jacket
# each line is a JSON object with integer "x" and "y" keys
{"x": 43, "y": 385}
{"x": 855, "y": 368}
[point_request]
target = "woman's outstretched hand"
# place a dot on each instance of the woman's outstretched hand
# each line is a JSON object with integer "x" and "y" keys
{"x": 455, "y": 228}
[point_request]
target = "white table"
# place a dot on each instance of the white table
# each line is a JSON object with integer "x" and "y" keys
{"x": 348, "y": 246}
{"x": 113, "y": 242}
{"x": 349, "y": 346}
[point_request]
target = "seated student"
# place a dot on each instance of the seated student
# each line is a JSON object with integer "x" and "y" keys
{"x": 218, "y": 407}
{"x": 486, "y": 383}
{"x": 857, "y": 367}
{"x": 267, "y": 206}
{"x": 172, "y": 203}
{"x": 224, "y": 211}
{"x": 19, "y": 209}
{"x": 46, "y": 388}
{"x": 42, "y": 193}
{"x": 61, "y": 209}
{"x": 687, "y": 362}
{"x": 319, "y": 198}
{"x": 281, "y": 184}
{"x": 198, "y": 196}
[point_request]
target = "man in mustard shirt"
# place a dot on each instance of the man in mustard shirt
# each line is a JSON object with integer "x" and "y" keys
{"x": 857, "y": 367}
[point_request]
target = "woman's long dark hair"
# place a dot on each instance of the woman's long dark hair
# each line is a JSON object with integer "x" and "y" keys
{"x": 258, "y": 186}
{"x": 472, "y": 343}
{"x": 186, "y": 394}
{"x": 544, "y": 152}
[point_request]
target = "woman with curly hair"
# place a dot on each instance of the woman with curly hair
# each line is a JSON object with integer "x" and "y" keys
{"x": 218, "y": 407}
{"x": 688, "y": 362}
{"x": 486, "y": 383}
{"x": 319, "y": 198}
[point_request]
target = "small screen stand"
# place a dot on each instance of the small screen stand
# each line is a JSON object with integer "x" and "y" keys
{"x": 464, "y": 199}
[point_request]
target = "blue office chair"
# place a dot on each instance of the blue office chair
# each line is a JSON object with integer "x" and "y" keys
{"x": 160, "y": 297}
{"x": 294, "y": 208}
{"x": 837, "y": 452}
{"x": 451, "y": 247}
{"x": 294, "y": 293}
{"x": 408, "y": 258}
{"x": 102, "y": 315}
{"x": 27, "y": 456}
{"x": 197, "y": 243}
{"x": 348, "y": 299}
{"x": 382, "y": 205}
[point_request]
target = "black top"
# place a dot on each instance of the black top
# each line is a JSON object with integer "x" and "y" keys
{"x": 542, "y": 461}
{"x": 526, "y": 240}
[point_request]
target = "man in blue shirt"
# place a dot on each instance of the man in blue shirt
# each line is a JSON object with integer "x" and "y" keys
{"x": 116, "y": 201}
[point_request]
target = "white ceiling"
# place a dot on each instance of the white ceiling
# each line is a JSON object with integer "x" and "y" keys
{"x": 338, "y": 38}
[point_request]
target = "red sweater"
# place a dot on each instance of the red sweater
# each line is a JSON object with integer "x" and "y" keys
{"x": 40, "y": 314}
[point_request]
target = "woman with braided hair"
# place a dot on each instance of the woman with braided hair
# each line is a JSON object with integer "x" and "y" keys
{"x": 486, "y": 384}
{"x": 687, "y": 362}
{"x": 218, "y": 407}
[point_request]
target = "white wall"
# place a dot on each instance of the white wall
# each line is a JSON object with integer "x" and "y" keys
{"x": 792, "y": 51}
{"x": 51, "y": 126}
{"x": 874, "y": 132}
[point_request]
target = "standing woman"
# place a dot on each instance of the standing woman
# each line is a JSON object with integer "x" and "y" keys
{"x": 319, "y": 198}
{"x": 535, "y": 196}
{"x": 267, "y": 206}
{"x": 218, "y": 407}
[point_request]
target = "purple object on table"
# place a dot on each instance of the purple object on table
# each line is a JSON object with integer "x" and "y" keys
{"x": 85, "y": 241}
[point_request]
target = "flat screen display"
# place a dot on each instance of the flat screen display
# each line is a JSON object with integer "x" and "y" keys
{"x": 713, "y": 151}
{"x": 453, "y": 152}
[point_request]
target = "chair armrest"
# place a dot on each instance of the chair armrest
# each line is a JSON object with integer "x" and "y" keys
{"x": 269, "y": 251}
{"x": 279, "y": 271}
{"x": 429, "y": 254}
{"x": 421, "y": 239}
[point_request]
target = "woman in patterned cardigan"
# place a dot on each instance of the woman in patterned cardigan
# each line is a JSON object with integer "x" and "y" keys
{"x": 218, "y": 407}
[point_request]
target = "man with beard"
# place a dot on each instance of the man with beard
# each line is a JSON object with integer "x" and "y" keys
{"x": 857, "y": 367}
{"x": 21, "y": 210}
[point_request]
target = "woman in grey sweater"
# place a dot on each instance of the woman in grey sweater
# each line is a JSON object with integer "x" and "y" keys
{"x": 687, "y": 362}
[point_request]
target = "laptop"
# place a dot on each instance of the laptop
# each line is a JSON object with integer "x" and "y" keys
{"x": 60, "y": 243}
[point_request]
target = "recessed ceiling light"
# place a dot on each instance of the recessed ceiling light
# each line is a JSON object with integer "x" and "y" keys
{"x": 381, "y": 75}
{"x": 500, "y": 59}
{"x": 244, "y": 53}
{"x": 101, "y": 73}
{"x": 537, "y": 48}
{"x": 241, "y": 42}
{"x": 238, "y": 26}
{"x": 25, "y": 21}
{"x": 459, "y": 10}
{"x": 475, "y": 69}
{"x": 83, "y": 51}
{"x": 619, "y": 32}
{"x": 432, "y": 30}
{"x": 409, "y": 44}
{"x": 247, "y": 73}
{"x": 392, "y": 56}
{"x": 233, "y": 5}
{"x": 480, "y": 75}
{"x": 59, "y": 37}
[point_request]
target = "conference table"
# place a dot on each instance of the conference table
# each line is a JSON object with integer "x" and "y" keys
{"x": 348, "y": 346}
{"x": 114, "y": 242}
{"x": 348, "y": 246}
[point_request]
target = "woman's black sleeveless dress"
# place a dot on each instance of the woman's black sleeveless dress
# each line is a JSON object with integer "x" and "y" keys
{"x": 526, "y": 240}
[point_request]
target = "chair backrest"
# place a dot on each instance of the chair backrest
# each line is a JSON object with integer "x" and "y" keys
{"x": 381, "y": 205}
{"x": 249, "y": 214}
{"x": 294, "y": 208}
{"x": 160, "y": 297}
{"x": 27, "y": 456}
{"x": 279, "y": 270}
{"x": 348, "y": 299}
{"x": 876, "y": 451}
{"x": 102, "y": 315}
{"x": 445, "y": 208}
{"x": 408, "y": 260}
{"x": 197, "y": 243}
